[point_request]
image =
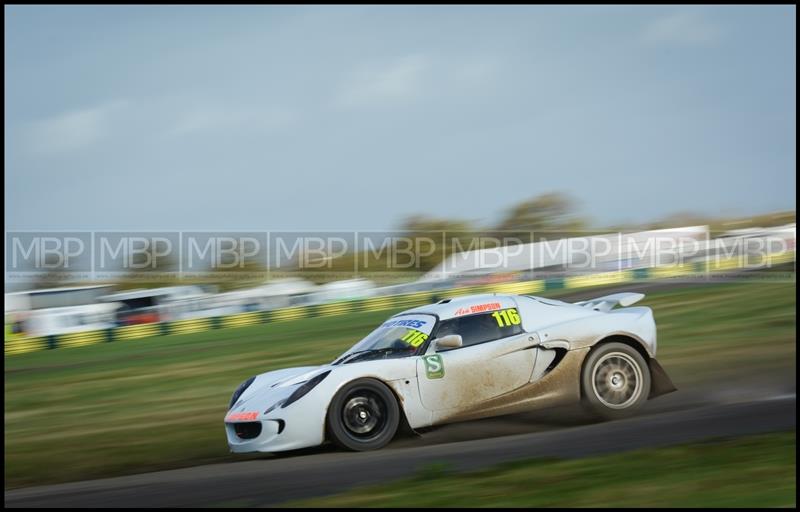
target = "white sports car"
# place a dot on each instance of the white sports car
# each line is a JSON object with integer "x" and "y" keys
{"x": 464, "y": 358}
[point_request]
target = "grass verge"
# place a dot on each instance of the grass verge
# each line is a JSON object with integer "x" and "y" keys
{"x": 157, "y": 403}
{"x": 752, "y": 471}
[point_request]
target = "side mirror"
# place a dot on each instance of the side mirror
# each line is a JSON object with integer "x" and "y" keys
{"x": 449, "y": 341}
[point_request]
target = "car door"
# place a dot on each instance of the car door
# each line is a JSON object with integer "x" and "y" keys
{"x": 496, "y": 357}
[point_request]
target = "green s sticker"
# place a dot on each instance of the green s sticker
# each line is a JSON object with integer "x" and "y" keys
{"x": 434, "y": 366}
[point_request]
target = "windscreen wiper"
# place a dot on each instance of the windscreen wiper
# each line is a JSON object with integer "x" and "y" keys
{"x": 348, "y": 356}
{"x": 357, "y": 355}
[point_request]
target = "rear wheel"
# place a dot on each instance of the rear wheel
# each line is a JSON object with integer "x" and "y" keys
{"x": 615, "y": 380}
{"x": 363, "y": 415}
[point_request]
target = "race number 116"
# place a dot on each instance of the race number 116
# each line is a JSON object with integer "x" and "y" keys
{"x": 507, "y": 317}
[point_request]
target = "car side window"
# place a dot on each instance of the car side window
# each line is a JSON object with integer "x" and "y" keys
{"x": 475, "y": 329}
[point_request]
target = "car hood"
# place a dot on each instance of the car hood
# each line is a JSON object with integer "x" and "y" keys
{"x": 279, "y": 383}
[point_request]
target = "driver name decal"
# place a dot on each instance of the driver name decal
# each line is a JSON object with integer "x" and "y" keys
{"x": 434, "y": 366}
{"x": 478, "y": 308}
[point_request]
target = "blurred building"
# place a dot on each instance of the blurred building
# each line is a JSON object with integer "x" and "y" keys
{"x": 53, "y": 310}
{"x": 148, "y": 305}
{"x": 346, "y": 289}
{"x": 54, "y": 297}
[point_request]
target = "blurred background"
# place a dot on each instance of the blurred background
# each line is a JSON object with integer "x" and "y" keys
{"x": 197, "y": 194}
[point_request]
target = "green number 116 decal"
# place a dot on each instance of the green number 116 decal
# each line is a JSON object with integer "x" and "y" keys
{"x": 507, "y": 317}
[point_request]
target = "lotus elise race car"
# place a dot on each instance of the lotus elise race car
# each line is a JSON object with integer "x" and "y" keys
{"x": 459, "y": 359}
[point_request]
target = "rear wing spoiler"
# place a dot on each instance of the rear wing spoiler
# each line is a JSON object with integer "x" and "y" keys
{"x": 608, "y": 302}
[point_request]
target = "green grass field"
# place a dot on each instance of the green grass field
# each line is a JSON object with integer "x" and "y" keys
{"x": 753, "y": 471}
{"x": 156, "y": 403}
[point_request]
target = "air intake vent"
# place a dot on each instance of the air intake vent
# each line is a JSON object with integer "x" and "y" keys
{"x": 444, "y": 301}
{"x": 247, "y": 430}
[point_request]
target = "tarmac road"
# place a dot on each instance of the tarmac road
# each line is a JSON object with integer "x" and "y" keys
{"x": 274, "y": 480}
{"x": 684, "y": 416}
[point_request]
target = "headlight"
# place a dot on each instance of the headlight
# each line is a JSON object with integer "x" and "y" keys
{"x": 305, "y": 388}
{"x": 236, "y": 394}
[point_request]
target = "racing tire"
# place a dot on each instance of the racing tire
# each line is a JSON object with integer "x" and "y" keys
{"x": 615, "y": 381}
{"x": 363, "y": 415}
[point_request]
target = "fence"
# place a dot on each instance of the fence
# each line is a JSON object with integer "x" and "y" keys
{"x": 132, "y": 332}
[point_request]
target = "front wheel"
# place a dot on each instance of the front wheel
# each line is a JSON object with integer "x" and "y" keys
{"x": 615, "y": 380}
{"x": 363, "y": 415}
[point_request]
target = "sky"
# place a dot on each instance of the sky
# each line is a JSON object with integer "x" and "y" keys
{"x": 356, "y": 117}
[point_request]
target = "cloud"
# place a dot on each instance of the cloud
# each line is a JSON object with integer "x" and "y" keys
{"x": 72, "y": 130}
{"x": 398, "y": 81}
{"x": 208, "y": 119}
{"x": 682, "y": 28}
{"x": 476, "y": 71}
{"x": 205, "y": 119}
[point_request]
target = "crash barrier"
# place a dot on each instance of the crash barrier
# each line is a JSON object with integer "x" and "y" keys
{"x": 132, "y": 332}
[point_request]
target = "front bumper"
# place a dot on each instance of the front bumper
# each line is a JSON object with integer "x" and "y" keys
{"x": 300, "y": 425}
{"x": 273, "y": 437}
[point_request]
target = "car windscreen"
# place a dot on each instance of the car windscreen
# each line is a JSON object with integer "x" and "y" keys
{"x": 399, "y": 336}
